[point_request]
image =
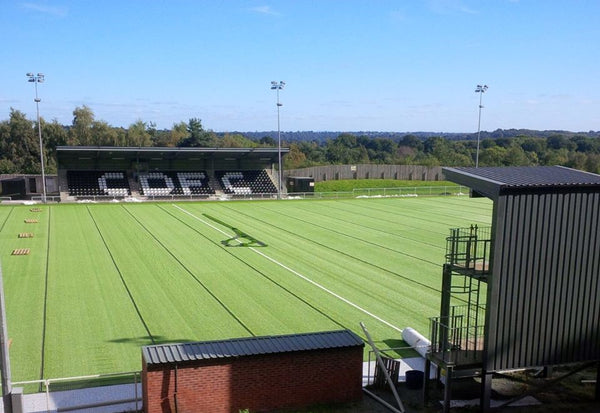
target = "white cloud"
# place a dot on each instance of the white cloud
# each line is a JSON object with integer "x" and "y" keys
{"x": 265, "y": 10}
{"x": 450, "y": 6}
{"x": 45, "y": 9}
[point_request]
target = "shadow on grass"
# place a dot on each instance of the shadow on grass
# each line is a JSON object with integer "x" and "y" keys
{"x": 151, "y": 340}
{"x": 397, "y": 348}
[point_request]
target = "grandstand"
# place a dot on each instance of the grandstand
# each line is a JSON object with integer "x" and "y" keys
{"x": 96, "y": 172}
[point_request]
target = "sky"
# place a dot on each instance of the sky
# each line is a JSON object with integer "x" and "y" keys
{"x": 348, "y": 65}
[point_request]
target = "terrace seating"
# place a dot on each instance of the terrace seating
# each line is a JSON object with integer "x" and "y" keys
{"x": 97, "y": 183}
{"x": 246, "y": 182}
{"x": 157, "y": 184}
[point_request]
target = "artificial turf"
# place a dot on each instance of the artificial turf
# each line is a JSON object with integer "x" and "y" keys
{"x": 103, "y": 279}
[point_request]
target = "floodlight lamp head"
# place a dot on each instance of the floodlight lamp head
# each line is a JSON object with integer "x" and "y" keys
{"x": 275, "y": 85}
{"x": 29, "y": 74}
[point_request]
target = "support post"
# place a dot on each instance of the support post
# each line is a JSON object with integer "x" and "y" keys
{"x": 448, "y": 388}
{"x": 486, "y": 391}
{"x": 445, "y": 307}
{"x": 426, "y": 380}
{"x": 598, "y": 382}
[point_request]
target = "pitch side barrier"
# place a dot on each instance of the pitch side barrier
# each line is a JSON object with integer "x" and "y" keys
{"x": 396, "y": 192}
{"x": 114, "y": 392}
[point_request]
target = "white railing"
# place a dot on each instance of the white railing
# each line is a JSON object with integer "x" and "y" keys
{"x": 404, "y": 191}
{"x": 49, "y": 198}
{"x": 83, "y": 383}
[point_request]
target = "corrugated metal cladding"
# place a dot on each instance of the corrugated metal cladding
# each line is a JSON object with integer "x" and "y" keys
{"x": 544, "y": 293}
{"x": 238, "y": 347}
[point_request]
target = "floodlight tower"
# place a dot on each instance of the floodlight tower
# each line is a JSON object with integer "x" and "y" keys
{"x": 481, "y": 90}
{"x": 278, "y": 86}
{"x": 35, "y": 79}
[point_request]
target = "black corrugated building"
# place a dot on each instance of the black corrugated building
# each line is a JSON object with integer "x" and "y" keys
{"x": 542, "y": 273}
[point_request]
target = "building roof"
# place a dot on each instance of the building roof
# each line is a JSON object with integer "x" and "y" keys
{"x": 115, "y": 152}
{"x": 496, "y": 181}
{"x": 250, "y": 346}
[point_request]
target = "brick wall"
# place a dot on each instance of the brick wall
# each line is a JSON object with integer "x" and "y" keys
{"x": 257, "y": 383}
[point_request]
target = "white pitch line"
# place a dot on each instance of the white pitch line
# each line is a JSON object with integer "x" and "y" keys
{"x": 297, "y": 274}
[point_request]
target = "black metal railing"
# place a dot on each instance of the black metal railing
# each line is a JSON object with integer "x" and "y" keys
{"x": 458, "y": 337}
{"x": 469, "y": 249}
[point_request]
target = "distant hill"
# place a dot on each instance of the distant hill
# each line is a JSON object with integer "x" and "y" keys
{"x": 322, "y": 136}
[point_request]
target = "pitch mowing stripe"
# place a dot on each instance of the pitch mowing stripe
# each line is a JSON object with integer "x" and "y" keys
{"x": 443, "y": 212}
{"x": 261, "y": 273}
{"x": 296, "y": 273}
{"x": 221, "y": 303}
{"x": 370, "y": 209}
{"x": 322, "y": 213}
{"x": 346, "y": 235}
{"x": 410, "y": 279}
{"x": 325, "y": 246}
{"x": 24, "y": 288}
{"x": 7, "y": 217}
{"x": 437, "y": 207}
{"x": 45, "y": 313}
{"x": 122, "y": 278}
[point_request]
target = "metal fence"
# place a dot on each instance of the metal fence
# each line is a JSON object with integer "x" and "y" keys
{"x": 49, "y": 198}
{"x": 81, "y": 392}
{"x": 458, "y": 338}
{"x": 371, "y": 376}
{"x": 397, "y": 192}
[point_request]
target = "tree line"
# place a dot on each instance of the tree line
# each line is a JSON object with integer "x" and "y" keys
{"x": 19, "y": 145}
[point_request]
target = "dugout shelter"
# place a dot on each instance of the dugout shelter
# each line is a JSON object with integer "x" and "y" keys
{"x": 523, "y": 293}
{"x": 102, "y": 172}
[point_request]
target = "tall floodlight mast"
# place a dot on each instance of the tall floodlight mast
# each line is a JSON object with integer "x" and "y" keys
{"x": 481, "y": 90}
{"x": 35, "y": 79}
{"x": 278, "y": 86}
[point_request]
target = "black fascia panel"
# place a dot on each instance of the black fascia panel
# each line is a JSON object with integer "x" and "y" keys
{"x": 482, "y": 186}
{"x": 499, "y": 181}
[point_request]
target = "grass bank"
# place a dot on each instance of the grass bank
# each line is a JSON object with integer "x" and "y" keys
{"x": 351, "y": 184}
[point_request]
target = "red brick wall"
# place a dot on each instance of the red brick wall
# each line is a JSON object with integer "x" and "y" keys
{"x": 258, "y": 383}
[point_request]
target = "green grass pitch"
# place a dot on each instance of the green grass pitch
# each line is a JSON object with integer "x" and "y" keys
{"x": 101, "y": 280}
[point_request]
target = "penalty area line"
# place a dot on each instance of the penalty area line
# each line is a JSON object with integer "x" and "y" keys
{"x": 299, "y": 275}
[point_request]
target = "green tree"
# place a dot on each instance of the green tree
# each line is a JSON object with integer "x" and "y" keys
{"x": 81, "y": 128}
{"x": 137, "y": 134}
{"x": 236, "y": 141}
{"x": 515, "y": 156}
{"x": 105, "y": 135}
{"x": 412, "y": 141}
{"x": 295, "y": 158}
{"x": 197, "y": 136}
{"x": 493, "y": 156}
{"x": 53, "y": 135}
{"x": 592, "y": 163}
{"x": 267, "y": 141}
{"x": 20, "y": 143}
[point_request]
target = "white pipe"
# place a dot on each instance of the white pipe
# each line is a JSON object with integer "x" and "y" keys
{"x": 416, "y": 340}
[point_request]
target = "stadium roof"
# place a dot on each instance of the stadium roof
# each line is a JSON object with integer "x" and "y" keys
{"x": 251, "y": 346}
{"x": 493, "y": 182}
{"x": 113, "y": 152}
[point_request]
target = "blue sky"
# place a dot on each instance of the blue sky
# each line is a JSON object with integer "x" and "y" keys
{"x": 402, "y": 65}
